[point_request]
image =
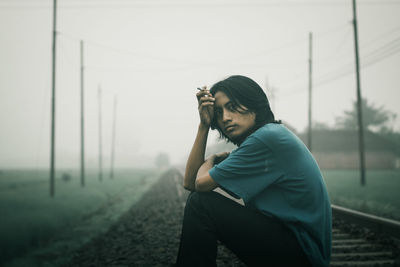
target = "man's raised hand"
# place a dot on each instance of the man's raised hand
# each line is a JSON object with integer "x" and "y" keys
{"x": 206, "y": 106}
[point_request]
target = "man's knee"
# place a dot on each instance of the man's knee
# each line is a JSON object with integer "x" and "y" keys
{"x": 194, "y": 198}
{"x": 201, "y": 199}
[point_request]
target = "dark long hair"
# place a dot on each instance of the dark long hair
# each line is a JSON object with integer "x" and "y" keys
{"x": 243, "y": 91}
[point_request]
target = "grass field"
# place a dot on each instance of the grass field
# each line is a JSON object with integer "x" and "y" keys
{"x": 35, "y": 228}
{"x": 33, "y": 224}
{"x": 380, "y": 195}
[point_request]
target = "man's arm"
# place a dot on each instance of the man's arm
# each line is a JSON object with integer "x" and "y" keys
{"x": 196, "y": 158}
{"x": 197, "y": 178}
{"x": 204, "y": 182}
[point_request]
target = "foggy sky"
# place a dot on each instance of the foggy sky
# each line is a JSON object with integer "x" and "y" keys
{"x": 153, "y": 55}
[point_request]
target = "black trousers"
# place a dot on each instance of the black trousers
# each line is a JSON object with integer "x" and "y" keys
{"x": 257, "y": 240}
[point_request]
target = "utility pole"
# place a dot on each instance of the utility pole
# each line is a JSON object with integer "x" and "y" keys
{"x": 100, "y": 139}
{"x": 310, "y": 92}
{"x": 113, "y": 138}
{"x": 359, "y": 100}
{"x": 82, "y": 123}
{"x": 53, "y": 102}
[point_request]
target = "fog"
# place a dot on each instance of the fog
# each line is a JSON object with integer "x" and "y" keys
{"x": 153, "y": 55}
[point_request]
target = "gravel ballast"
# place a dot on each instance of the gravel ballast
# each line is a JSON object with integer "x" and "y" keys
{"x": 148, "y": 234}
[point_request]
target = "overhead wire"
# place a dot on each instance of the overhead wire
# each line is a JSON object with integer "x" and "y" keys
{"x": 379, "y": 54}
{"x": 292, "y": 43}
{"x": 140, "y": 54}
{"x": 334, "y": 54}
{"x": 186, "y": 4}
{"x": 369, "y": 59}
{"x": 197, "y": 64}
{"x": 187, "y": 63}
{"x": 379, "y": 37}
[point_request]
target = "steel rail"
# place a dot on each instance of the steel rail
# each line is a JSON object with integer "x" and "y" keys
{"x": 375, "y": 223}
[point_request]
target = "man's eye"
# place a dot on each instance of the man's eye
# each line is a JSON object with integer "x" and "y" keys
{"x": 231, "y": 107}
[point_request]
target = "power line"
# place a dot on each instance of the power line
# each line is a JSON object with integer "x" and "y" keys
{"x": 333, "y": 54}
{"x": 65, "y": 54}
{"x": 379, "y": 54}
{"x": 368, "y": 60}
{"x": 392, "y": 44}
{"x": 198, "y": 65}
{"x": 140, "y": 54}
{"x": 379, "y": 37}
{"x": 139, "y": 70}
{"x": 183, "y": 4}
{"x": 373, "y": 57}
{"x": 294, "y": 42}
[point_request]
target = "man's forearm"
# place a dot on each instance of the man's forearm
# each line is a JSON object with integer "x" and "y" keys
{"x": 206, "y": 166}
{"x": 196, "y": 157}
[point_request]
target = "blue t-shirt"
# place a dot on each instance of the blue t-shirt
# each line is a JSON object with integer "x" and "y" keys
{"x": 275, "y": 173}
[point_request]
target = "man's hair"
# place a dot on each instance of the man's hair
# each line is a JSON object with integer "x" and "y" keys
{"x": 243, "y": 91}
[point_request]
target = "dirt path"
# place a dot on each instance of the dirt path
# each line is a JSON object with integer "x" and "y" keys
{"x": 148, "y": 234}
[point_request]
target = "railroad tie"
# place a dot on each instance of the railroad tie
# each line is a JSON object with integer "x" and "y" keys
{"x": 350, "y": 251}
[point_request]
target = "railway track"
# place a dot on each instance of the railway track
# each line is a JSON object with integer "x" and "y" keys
{"x": 358, "y": 239}
{"x": 149, "y": 233}
{"x": 361, "y": 239}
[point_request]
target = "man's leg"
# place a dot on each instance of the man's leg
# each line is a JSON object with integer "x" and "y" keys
{"x": 198, "y": 245}
{"x": 258, "y": 240}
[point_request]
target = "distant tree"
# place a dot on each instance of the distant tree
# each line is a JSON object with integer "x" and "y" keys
{"x": 162, "y": 160}
{"x": 318, "y": 125}
{"x": 374, "y": 118}
{"x": 66, "y": 177}
{"x": 393, "y": 137}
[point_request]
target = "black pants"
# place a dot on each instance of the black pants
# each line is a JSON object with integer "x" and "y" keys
{"x": 256, "y": 239}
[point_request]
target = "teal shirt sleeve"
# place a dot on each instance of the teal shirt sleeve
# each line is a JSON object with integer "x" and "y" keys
{"x": 275, "y": 173}
{"x": 240, "y": 172}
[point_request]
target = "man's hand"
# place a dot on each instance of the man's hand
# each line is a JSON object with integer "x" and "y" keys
{"x": 206, "y": 106}
{"x": 220, "y": 157}
{"x": 204, "y": 182}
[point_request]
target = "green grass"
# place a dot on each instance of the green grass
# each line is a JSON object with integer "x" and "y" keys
{"x": 380, "y": 195}
{"x": 33, "y": 225}
{"x": 36, "y": 229}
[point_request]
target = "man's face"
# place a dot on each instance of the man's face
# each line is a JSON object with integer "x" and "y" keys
{"x": 232, "y": 120}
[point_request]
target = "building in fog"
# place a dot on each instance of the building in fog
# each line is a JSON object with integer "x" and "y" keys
{"x": 338, "y": 149}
